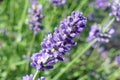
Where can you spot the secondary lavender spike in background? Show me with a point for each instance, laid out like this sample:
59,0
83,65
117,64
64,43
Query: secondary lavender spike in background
35,17
58,2
115,9
96,33
101,4
55,45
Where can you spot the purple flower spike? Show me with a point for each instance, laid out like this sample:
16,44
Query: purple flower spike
96,33
55,45
115,9
58,2
101,3
35,17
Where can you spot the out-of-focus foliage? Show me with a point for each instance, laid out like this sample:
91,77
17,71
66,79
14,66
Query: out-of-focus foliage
16,39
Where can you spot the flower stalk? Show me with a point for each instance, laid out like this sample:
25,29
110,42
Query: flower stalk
36,74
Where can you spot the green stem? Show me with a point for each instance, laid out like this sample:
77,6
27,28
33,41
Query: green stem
81,4
31,45
29,52
105,20
36,74
108,25
20,63
23,17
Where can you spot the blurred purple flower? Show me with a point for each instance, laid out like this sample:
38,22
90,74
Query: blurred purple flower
42,78
101,4
91,16
115,9
103,52
26,57
30,77
35,17
55,45
3,30
33,2
101,49
58,2
117,59
96,33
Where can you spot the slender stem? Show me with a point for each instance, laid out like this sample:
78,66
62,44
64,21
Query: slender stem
81,4
108,25
36,74
31,45
20,63
29,52
105,20
20,24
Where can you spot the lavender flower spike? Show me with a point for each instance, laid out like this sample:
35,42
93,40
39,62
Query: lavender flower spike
58,2
35,17
30,77
115,9
55,45
96,33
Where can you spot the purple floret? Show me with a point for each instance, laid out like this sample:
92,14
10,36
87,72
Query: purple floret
101,4
115,9
58,2
96,33
30,77
42,78
55,45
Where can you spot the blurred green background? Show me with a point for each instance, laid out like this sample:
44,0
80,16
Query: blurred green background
16,39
